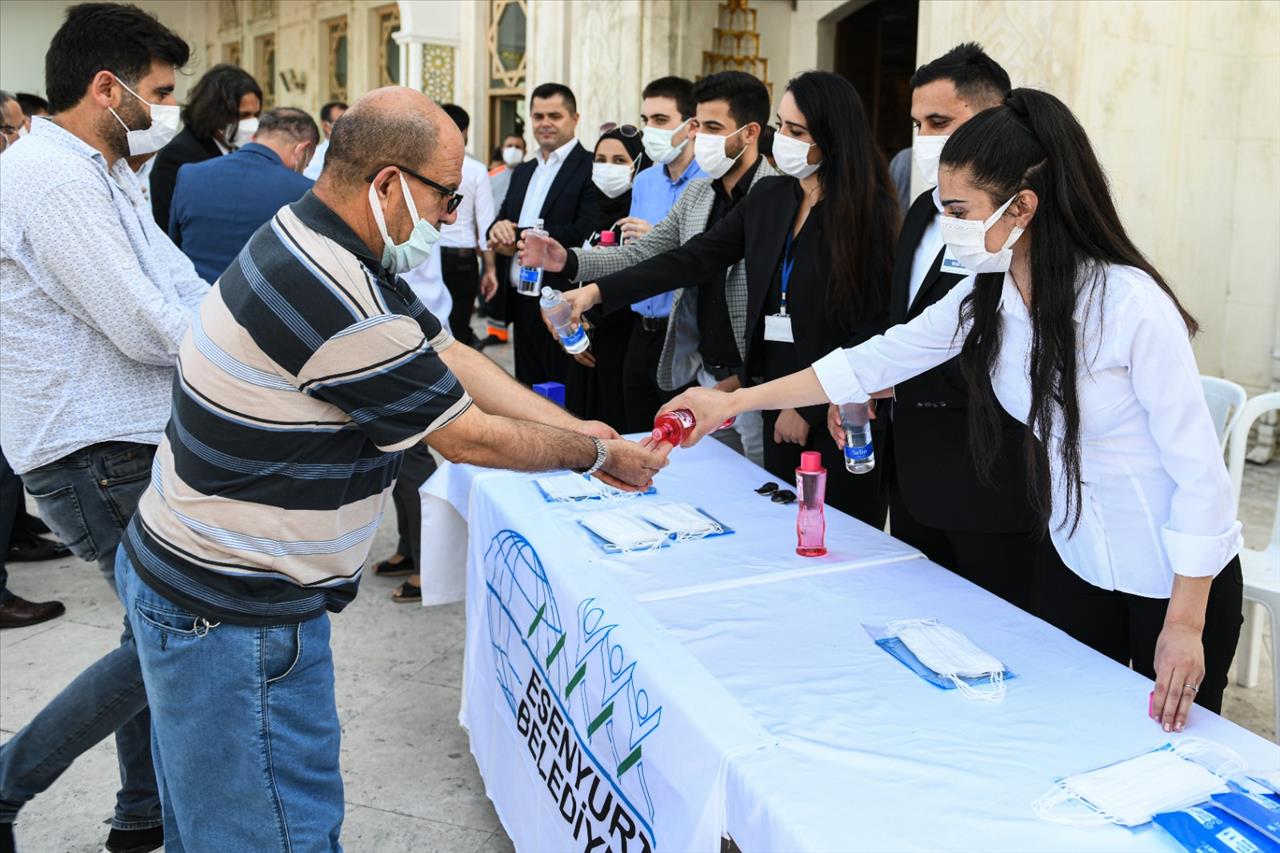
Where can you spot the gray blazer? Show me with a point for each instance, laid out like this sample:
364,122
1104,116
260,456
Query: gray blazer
688,218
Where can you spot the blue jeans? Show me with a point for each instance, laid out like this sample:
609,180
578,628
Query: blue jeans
245,730
87,498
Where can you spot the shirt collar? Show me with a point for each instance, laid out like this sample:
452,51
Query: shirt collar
320,218
691,171
46,128
743,184
559,155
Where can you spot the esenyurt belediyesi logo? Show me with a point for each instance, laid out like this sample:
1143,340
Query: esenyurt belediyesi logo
574,701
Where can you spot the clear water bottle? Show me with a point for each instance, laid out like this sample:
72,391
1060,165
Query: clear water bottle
531,277
859,455
558,314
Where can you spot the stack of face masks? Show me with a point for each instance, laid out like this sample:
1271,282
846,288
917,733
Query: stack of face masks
949,655
570,488
1131,792
621,531
681,520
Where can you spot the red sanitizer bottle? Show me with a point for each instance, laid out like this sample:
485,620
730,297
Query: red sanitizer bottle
674,426
811,491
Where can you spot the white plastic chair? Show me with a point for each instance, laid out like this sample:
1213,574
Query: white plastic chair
1261,568
1226,400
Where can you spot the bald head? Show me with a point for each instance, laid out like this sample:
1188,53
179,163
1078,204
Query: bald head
392,126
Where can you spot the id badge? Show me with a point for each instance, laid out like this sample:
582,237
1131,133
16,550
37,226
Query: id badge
950,266
777,327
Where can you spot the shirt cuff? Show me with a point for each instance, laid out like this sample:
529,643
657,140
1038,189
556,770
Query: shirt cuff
838,381
570,270
1195,555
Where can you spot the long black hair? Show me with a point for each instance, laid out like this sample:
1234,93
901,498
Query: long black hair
1033,142
860,213
214,102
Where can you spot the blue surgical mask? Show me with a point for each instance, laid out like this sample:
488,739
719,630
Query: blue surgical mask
399,258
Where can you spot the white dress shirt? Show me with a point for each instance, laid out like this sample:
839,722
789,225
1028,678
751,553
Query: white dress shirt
1156,497
317,162
475,214
536,193
925,257
94,303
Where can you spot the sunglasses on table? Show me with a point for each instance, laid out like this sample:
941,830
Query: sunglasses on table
455,197
776,494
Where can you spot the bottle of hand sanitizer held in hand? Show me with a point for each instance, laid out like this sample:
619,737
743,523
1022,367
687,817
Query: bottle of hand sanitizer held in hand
558,314
859,454
531,277
675,426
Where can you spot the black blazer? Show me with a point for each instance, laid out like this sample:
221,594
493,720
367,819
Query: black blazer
755,230
182,149
936,476
569,213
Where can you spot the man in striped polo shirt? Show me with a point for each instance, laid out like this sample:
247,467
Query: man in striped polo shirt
309,368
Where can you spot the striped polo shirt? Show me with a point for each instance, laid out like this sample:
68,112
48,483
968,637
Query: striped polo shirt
306,373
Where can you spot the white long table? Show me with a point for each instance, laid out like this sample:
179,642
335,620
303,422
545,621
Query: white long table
756,704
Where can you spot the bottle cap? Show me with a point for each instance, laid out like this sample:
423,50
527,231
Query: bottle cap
548,293
608,238
811,460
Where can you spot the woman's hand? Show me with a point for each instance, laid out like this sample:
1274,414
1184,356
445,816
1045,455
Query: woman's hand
791,428
710,408
1179,666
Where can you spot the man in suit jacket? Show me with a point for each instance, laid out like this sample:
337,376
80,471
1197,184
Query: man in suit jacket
938,503
218,204
555,187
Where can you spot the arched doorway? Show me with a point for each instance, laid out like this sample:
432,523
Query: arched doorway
875,50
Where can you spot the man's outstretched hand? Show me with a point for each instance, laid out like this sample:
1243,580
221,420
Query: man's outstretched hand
539,250
631,466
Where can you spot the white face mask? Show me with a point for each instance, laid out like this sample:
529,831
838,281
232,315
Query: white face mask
22,131
512,156
165,121
623,531
399,258
967,240
1131,792
951,654
681,519
612,179
657,143
927,151
792,156
241,133
709,153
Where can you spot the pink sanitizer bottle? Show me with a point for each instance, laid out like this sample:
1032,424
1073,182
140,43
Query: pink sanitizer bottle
811,491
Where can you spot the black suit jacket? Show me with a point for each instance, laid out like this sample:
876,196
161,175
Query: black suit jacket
184,148
936,476
569,213
754,230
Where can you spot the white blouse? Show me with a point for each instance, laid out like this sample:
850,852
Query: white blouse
1156,496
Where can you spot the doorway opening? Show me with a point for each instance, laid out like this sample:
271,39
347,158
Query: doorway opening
876,51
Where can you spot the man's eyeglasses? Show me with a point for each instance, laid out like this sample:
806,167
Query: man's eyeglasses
454,197
627,130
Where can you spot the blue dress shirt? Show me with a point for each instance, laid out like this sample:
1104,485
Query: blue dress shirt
652,196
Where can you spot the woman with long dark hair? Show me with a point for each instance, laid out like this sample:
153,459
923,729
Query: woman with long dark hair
1068,327
818,247
221,114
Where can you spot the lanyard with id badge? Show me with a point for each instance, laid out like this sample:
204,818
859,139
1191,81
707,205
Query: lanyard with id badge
777,327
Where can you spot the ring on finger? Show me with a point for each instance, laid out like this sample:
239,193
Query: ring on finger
1194,688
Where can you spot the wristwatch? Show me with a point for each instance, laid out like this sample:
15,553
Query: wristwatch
602,456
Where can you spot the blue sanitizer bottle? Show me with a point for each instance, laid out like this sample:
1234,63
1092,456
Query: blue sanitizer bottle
531,277
859,455
558,314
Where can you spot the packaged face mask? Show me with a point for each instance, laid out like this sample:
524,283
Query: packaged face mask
1131,792
681,520
569,487
1261,811
1208,829
621,530
951,655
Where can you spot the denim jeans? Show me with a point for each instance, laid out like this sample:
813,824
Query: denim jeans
87,498
245,730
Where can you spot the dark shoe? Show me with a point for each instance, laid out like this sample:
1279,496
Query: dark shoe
33,549
20,613
6,838
134,840
407,593
388,569
28,523
487,340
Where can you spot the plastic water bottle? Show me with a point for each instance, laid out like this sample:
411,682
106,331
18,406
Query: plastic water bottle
531,277
859,454
558,314
811,492
674,426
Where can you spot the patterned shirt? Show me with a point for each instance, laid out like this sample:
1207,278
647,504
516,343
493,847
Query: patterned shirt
307,372
94,301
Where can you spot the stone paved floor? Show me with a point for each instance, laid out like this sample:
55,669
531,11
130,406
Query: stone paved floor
411,783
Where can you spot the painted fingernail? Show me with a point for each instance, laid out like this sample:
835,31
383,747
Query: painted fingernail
1167,727
1178,727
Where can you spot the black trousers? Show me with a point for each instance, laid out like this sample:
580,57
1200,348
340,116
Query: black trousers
1125,627
1000,563
643,396
417,465
859,495
461,274
538,356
